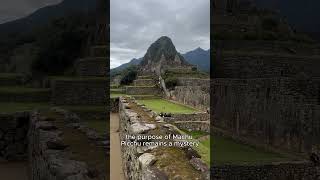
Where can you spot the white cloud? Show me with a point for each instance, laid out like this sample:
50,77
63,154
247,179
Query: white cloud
135,24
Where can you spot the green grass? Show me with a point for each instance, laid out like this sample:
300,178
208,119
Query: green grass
76,78
204,146
227,151
101,126
85,108
196,134
161,105
9,75
14,107
17,89
115,95
116,90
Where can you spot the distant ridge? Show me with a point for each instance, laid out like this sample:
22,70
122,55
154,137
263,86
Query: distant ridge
198,57
45,14
163,47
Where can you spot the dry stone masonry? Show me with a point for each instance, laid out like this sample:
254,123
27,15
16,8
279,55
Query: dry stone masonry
50,155
265,92
149,162
13,136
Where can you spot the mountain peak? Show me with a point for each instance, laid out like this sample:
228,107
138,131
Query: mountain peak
162,53
161,47
199,49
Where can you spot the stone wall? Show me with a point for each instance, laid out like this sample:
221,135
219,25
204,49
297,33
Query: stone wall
196,96
190,122
49,156
264,65
92,66
139,161
13,136
114,105
140,90
89,115
79,92
268,46
144,82
275,171
268,112
193,82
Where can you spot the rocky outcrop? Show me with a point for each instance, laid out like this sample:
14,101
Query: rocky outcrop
160,55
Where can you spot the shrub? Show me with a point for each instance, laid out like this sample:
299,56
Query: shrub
128,75
60,44
171,82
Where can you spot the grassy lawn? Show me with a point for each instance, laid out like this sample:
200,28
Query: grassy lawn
162,105
6,107
226,151
85,108
115,95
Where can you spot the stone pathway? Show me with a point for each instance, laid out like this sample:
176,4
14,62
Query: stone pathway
14,170
116,171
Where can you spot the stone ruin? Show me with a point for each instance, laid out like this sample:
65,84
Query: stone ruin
154,162
266,93
56,142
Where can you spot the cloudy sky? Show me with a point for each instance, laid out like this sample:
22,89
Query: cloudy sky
14,9
135,24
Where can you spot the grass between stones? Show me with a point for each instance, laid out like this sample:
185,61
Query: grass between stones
204,147
162,105
87,116
227,151
7,107
79,146
101,126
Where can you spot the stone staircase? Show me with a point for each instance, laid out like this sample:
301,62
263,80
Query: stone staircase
144,85
145,81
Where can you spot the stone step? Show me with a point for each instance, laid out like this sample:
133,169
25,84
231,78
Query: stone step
22,94
10,79
144,82
92,66
98,51
143,90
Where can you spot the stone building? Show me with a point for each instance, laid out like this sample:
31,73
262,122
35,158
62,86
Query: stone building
89,87
267,91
